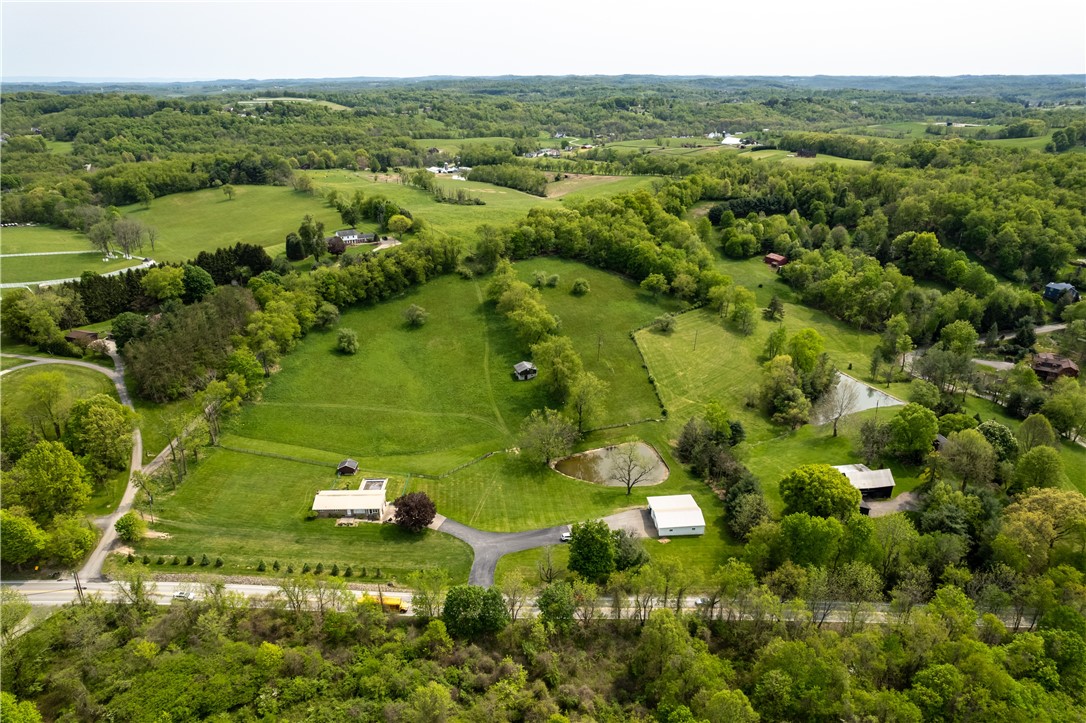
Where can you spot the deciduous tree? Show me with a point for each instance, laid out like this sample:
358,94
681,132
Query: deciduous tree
819,489
1036,431
560,366
48,480
546,435
414,511
585,399
592,550
630,466
23,539
471,611
969,457
912,431
1039,467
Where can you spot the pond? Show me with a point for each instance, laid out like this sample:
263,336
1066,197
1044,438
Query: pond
866,397
612,465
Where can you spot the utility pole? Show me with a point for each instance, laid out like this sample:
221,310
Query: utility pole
695,339
78,587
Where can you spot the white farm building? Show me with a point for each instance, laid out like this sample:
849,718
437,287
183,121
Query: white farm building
368,501
676,515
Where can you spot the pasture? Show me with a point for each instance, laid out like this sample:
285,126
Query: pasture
790,158
205,220
581,186
18,269
415,405
38,239
503,205
245,508
326,103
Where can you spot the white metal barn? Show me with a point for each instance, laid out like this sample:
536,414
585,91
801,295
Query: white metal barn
676,515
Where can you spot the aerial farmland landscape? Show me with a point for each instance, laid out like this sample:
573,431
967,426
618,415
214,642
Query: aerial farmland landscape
561,380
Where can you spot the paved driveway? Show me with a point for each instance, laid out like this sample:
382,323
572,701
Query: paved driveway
489,547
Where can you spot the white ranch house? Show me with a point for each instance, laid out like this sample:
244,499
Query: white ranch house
368,501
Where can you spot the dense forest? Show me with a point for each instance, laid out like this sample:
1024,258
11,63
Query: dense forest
222,659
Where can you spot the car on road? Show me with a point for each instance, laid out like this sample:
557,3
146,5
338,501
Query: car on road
565,537
186,595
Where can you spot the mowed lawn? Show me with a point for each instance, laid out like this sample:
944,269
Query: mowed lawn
205,220
414,405
599,324
411,400
37,239
66,266
80,384
246,508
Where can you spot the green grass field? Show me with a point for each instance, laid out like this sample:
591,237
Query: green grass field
788,157
81,383
36,239
314,101
10,362
584,187
188,223
45,268
416,402
503,205
59,147
246,508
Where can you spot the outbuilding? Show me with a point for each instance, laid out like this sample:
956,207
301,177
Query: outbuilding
347,466
81,336
874,484
1056,290
524,371
775,261
676,515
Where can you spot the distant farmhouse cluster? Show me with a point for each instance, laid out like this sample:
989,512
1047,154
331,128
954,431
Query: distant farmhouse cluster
449,169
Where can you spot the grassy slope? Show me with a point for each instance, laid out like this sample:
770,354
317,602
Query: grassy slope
503,205
790,158
35,239
245,508
188,223
44,268
424,401
10,362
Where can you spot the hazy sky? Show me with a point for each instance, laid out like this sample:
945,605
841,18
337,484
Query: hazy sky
210,40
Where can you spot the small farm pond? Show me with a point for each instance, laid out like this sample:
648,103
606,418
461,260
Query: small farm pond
614,464
866,397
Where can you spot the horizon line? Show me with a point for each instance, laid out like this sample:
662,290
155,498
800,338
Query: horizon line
165,80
